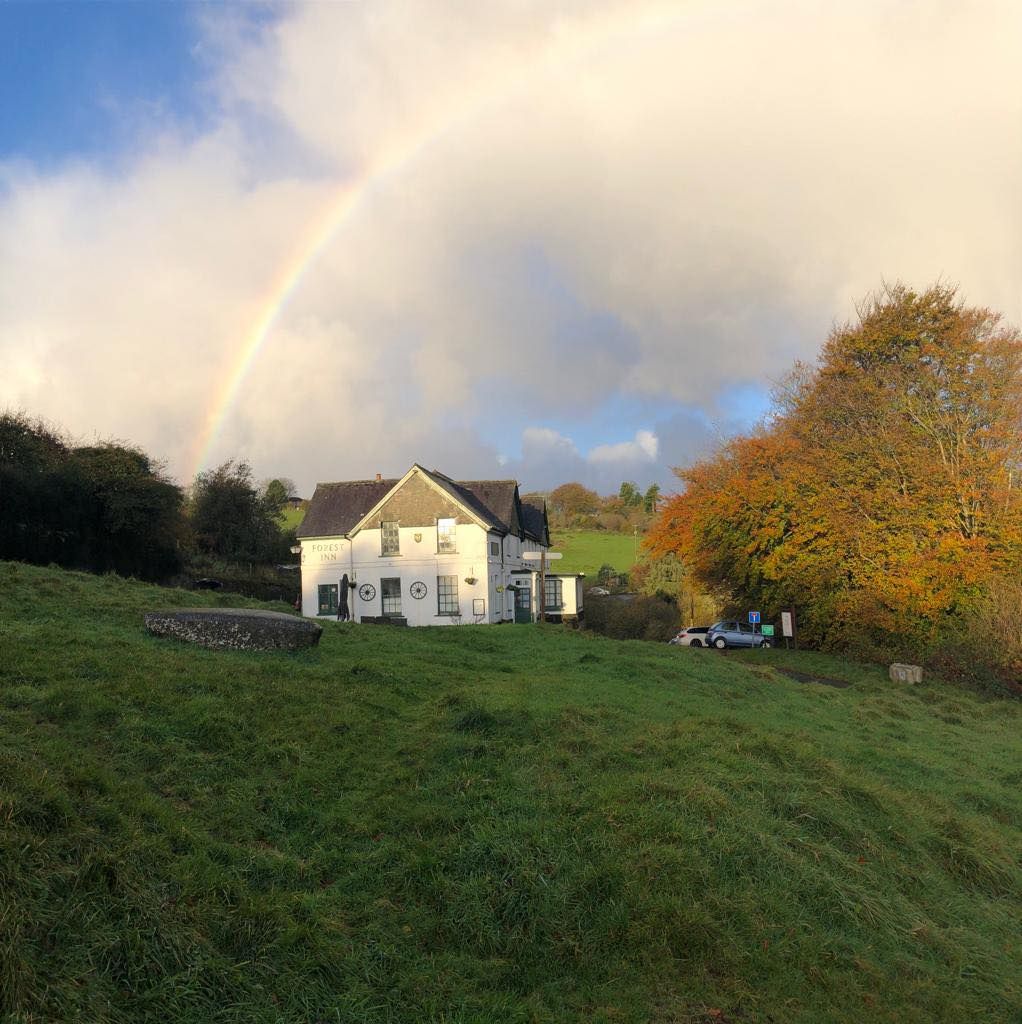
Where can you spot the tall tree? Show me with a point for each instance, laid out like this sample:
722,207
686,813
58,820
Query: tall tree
879,497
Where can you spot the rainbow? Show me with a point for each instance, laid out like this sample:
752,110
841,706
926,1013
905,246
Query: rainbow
566,45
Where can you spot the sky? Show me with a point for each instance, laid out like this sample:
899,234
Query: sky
554,241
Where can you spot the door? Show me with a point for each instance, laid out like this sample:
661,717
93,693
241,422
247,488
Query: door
523,603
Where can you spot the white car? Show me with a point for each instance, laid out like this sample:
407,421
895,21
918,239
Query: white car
694,636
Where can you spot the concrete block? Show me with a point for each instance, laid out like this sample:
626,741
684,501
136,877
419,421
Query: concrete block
906,673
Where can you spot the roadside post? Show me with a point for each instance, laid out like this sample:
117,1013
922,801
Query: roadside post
532,556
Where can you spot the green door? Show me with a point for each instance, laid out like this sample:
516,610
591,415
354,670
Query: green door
523,603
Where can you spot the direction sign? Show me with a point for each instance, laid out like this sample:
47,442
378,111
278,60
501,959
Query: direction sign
753,618
535,556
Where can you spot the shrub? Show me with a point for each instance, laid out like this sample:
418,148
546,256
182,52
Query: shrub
628,617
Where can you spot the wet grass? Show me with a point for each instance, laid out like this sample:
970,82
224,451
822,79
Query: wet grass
501,824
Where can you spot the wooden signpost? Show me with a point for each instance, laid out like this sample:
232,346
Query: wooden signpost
542,556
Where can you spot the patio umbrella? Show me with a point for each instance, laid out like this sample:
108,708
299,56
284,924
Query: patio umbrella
342,605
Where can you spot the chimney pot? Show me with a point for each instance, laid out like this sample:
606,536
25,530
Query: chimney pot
378,477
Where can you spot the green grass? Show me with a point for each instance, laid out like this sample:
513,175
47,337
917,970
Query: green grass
504,824
586,550
293,517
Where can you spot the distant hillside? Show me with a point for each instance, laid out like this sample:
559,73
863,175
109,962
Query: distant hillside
488,824
587,550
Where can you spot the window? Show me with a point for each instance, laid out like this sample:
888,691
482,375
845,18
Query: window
553,595
447,595
328,599
445,536
523,596
390,539
494,548
390,595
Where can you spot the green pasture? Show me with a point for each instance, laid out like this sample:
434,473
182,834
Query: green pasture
488,824
586,550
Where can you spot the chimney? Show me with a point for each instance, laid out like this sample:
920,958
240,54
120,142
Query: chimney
378,477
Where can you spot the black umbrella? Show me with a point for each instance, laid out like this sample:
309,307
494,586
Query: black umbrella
342,605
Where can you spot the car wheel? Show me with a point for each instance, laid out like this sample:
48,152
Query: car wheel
696,643
766,645
720,643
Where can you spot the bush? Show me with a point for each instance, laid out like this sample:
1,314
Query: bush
628,617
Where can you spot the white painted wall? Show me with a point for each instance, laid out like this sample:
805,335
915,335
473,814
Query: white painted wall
326,559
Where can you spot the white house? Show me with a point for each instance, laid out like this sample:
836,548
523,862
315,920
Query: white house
427,550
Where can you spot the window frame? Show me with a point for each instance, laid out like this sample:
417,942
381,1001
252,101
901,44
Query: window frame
330,587
558,588
450,532
385,597
384,549
448,602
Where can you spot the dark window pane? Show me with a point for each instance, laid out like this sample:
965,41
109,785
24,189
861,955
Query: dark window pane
327,598
390,595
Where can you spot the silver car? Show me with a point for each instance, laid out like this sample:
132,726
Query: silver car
694,636
736,634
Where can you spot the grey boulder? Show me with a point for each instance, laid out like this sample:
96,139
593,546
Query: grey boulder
239,629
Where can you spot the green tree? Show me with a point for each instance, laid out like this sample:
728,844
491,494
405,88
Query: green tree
232,520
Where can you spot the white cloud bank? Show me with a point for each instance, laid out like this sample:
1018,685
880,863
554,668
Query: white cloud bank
565,204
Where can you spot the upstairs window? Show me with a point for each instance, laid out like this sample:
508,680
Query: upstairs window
494,548
391,539
446,537
390,595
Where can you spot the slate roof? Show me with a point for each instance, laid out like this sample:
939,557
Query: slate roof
534,523
337,508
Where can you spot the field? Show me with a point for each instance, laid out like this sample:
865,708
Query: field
293,518
504,824
586,550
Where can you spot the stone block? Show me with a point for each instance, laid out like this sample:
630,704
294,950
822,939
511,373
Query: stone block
239,629
906,673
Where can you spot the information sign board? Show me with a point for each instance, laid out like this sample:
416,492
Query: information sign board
786,624
767,630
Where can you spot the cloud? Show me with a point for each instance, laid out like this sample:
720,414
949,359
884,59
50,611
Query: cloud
643,448
554,207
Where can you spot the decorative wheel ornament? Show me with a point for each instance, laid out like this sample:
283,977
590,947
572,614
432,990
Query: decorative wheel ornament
367,591
417,590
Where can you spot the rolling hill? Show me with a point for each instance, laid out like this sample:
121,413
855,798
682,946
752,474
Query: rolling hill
506,824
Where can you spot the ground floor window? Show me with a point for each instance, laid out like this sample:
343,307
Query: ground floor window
447,595
328,599
553,595
390,595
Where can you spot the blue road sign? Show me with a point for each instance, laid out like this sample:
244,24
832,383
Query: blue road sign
753,618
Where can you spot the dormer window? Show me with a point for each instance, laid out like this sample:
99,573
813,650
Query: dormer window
390,539
446,537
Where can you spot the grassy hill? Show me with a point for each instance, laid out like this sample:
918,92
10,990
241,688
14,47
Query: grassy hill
586,550
506,824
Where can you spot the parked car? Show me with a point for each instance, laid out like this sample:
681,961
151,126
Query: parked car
694,636
736,634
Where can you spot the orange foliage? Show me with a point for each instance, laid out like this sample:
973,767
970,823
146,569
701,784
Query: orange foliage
885,494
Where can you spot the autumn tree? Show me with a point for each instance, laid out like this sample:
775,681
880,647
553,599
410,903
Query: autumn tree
880,499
